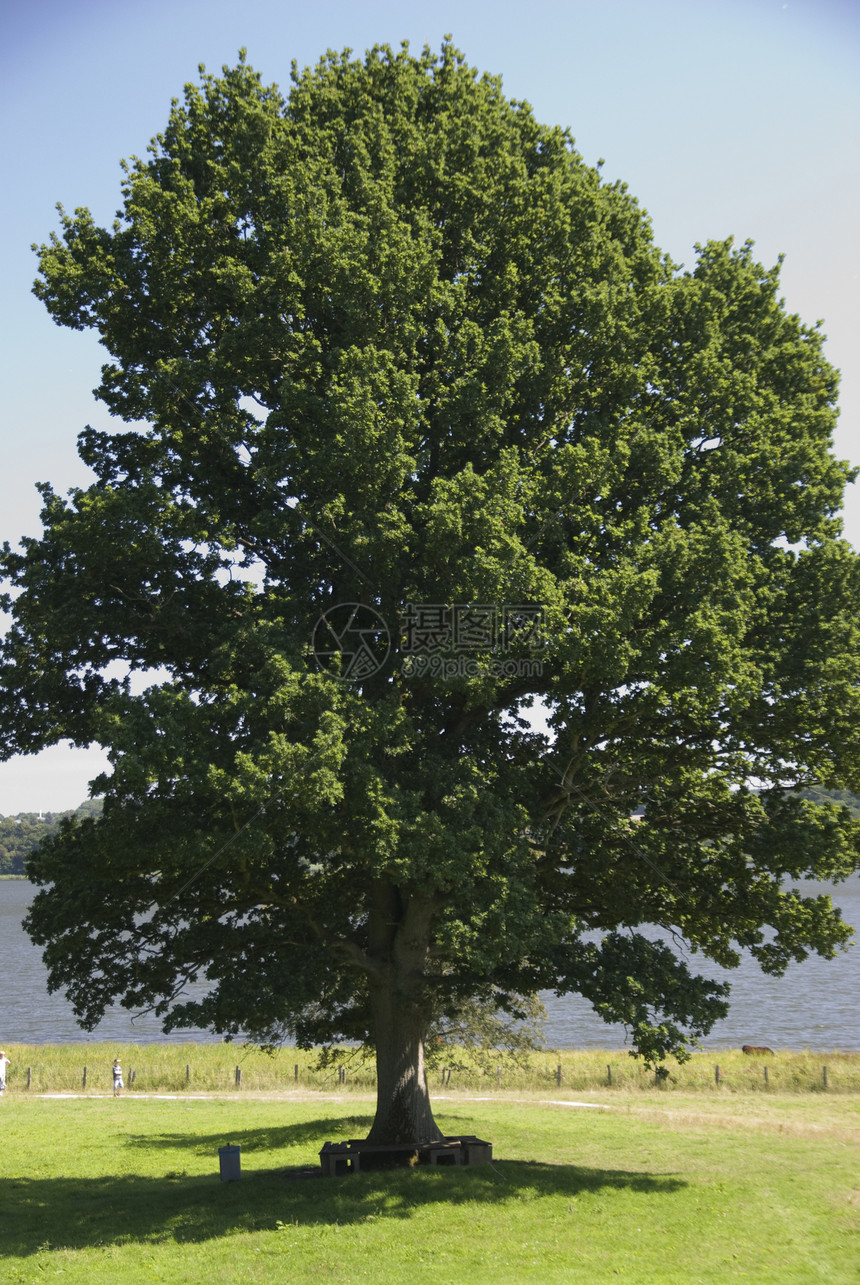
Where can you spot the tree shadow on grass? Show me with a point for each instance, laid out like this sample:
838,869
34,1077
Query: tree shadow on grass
305,1136
80,1213
308,1135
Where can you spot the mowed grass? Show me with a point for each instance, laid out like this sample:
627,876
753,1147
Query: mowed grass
659,1187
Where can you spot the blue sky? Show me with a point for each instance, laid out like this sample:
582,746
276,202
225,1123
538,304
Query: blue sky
724,118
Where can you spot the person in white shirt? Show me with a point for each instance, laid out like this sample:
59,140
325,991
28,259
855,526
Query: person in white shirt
117,1077
4,1062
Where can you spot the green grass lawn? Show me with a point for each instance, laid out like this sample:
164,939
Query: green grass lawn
662,1187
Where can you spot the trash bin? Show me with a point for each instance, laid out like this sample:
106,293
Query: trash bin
230,1161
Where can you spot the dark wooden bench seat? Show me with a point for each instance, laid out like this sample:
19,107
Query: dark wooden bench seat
338,1158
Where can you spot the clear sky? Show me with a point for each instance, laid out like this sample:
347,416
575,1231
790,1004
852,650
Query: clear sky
724,118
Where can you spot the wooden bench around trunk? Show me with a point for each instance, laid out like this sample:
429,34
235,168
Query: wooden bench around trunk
338,1158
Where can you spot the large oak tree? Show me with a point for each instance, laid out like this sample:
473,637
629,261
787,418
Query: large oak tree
387,349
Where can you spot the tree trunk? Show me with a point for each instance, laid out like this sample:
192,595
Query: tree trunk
403,1111
399,940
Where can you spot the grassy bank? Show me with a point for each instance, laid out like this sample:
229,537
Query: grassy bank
671,1188
211,1068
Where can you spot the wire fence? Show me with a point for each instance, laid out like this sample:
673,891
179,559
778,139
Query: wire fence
219,1068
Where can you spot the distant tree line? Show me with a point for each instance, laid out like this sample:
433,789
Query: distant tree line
21,834
844,797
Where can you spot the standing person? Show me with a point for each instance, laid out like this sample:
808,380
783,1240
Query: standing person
4,1062
117,1077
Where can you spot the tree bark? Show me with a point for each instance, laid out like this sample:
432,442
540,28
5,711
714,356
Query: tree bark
400,936
403,1110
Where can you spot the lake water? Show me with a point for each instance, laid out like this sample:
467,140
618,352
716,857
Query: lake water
814,1006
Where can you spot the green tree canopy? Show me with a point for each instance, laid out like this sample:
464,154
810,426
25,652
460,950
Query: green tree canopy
387,349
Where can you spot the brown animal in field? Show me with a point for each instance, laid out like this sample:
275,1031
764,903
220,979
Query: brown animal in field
756,1049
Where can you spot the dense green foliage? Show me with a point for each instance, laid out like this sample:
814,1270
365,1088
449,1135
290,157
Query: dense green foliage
388,346
21,834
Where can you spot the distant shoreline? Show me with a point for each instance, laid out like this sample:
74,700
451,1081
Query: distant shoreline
238,1045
